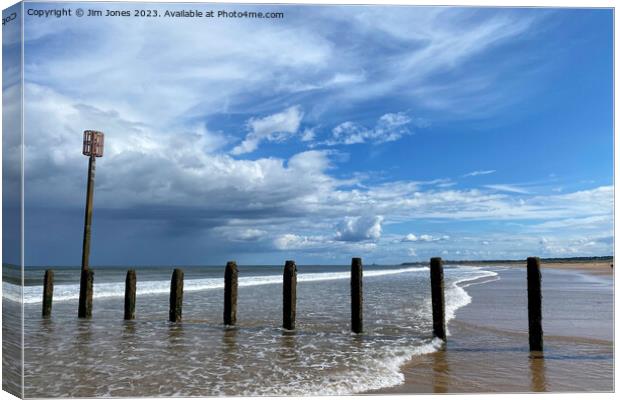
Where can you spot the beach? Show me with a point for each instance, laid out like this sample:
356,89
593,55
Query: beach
487,350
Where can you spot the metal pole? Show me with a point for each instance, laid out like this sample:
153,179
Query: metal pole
86,295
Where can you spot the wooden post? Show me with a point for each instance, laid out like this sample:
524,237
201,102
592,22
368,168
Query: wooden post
231,276
88,216
130,295
85,308
289,295
48,292
534,304
176,296
357,298
439,305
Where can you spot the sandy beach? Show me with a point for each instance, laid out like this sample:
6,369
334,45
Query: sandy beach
487,350
596,268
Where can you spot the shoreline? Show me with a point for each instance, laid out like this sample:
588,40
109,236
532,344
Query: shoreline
590,267
469,364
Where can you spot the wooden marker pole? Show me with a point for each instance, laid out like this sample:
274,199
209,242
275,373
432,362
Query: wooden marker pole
85,302
289,295
130,295
93,148
176,296
357,298
534,304
439,305
48,293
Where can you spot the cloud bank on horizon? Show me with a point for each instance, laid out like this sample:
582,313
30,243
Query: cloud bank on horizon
390,133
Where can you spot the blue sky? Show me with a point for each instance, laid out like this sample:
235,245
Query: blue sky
390,133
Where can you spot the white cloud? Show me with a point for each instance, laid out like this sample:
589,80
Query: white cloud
443,40
479,172
575,246
410,238
355,229
274,128
389,127
291,241
308,135
145,167
195,77
424,238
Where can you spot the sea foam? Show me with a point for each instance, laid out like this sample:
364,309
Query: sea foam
64,292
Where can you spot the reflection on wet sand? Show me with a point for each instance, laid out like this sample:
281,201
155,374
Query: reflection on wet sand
441,371
537,372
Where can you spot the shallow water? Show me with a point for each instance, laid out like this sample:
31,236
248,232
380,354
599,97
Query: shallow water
488,349
106,356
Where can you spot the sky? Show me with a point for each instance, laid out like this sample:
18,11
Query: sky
394,134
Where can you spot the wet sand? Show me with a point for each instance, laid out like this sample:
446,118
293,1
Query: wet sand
487,350
595,268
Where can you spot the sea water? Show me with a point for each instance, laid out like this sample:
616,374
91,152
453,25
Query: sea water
106,356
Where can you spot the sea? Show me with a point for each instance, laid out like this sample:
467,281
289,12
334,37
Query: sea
106,356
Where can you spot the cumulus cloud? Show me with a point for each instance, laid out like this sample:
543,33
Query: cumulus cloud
355,229
147,170
274,128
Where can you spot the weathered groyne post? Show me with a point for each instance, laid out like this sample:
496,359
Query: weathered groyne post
176,296
439,305
85,308
289,292
357,298
48,293
534,304
231,276
93,148
130,295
